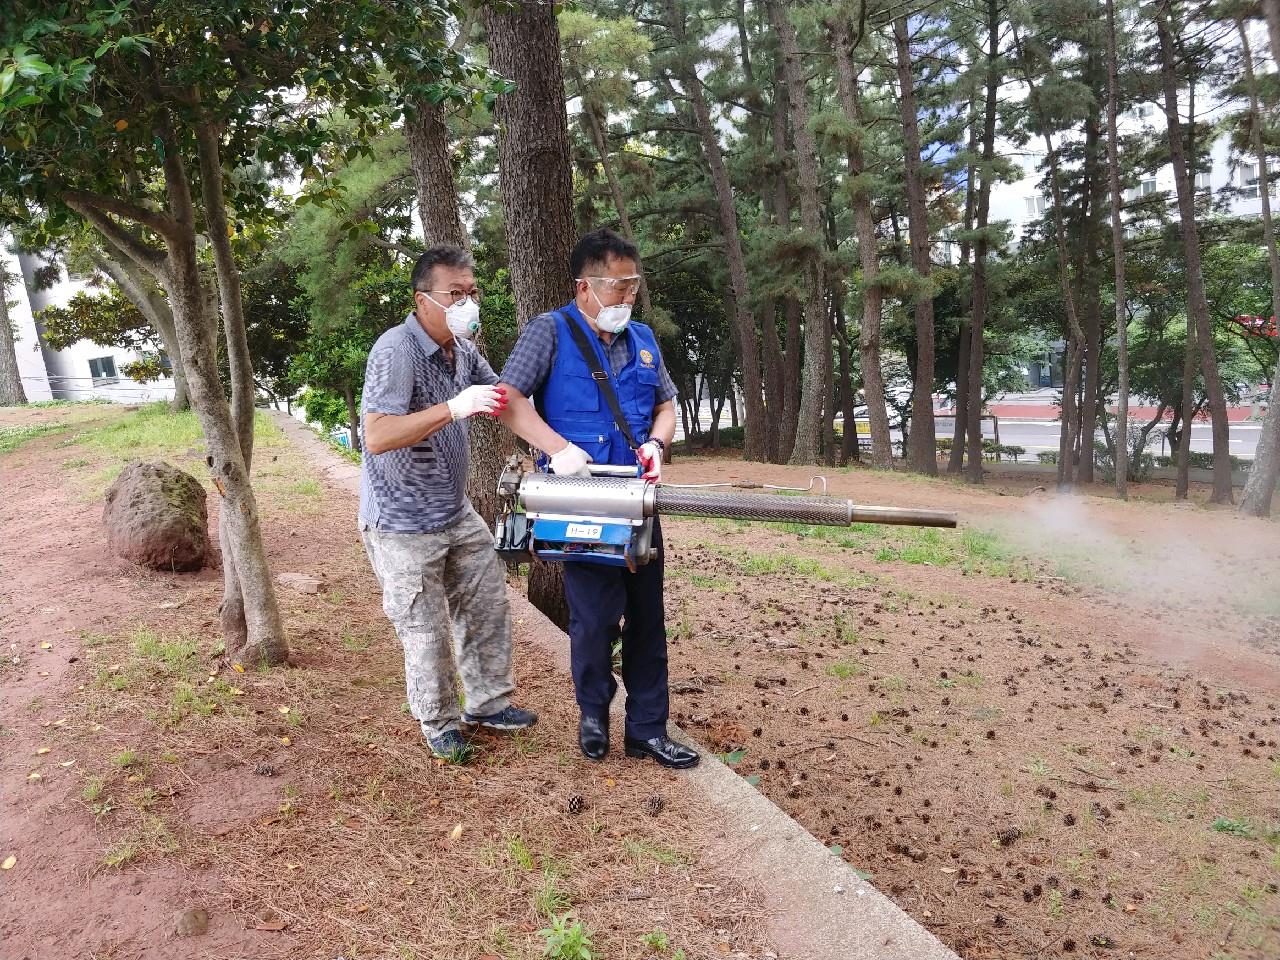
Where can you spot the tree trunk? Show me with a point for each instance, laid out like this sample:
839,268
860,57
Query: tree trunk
1197,305
977,326
817,344
1091,285
1182,462
775,386
152,305
848,395
537,191
1117,252
1261,485
924,454
428,140
256,604
754,446
353,416
12,393
868,256
960,421
791,311
596,125
1075,335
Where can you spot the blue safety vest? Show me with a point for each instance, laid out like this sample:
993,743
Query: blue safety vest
570,400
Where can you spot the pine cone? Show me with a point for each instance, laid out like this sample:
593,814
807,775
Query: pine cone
576,803
655,805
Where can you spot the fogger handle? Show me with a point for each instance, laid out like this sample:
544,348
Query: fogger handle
827,511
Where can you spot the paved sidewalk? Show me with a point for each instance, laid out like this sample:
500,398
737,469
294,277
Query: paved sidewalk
824,910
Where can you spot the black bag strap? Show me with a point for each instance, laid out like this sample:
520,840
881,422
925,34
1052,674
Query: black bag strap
601,378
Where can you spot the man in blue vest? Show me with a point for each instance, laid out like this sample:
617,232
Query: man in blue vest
574,424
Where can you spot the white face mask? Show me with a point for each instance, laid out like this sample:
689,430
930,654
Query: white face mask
462,318
612,319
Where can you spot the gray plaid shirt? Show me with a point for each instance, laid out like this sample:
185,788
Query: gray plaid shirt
422,488
530,361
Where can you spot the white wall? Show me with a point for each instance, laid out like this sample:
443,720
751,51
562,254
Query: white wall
27,346
69,376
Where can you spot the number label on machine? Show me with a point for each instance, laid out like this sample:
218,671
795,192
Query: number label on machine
583,531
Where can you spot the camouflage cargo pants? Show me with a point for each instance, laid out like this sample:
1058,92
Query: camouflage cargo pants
438,586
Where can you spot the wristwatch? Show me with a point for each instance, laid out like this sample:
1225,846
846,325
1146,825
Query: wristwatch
661,446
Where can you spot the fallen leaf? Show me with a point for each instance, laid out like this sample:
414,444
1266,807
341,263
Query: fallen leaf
122,125
362,908
273,925
291,867
33,776
238,668
408,881
67,763
286,741
610,782
456,832
59,723
42,751
42,673
284,710
46,645
435,801
9,861
723,948
96,727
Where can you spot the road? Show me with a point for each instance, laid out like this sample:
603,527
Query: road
1040,435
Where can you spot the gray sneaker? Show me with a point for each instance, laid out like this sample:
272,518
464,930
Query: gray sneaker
508,718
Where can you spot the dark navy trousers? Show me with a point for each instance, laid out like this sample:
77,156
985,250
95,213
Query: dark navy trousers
600,598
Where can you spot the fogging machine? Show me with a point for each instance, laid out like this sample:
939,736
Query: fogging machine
607,518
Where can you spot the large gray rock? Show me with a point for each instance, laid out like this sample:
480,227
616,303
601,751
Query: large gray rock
156,516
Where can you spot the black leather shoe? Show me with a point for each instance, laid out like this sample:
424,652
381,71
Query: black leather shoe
665,750
593,737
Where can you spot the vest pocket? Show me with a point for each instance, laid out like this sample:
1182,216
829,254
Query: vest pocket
580,392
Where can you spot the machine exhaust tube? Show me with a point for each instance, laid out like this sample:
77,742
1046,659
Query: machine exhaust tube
826,511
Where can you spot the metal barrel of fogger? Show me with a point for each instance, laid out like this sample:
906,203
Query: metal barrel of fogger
828,511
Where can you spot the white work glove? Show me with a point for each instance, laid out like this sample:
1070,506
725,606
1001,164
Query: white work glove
570,462
480,398
649,456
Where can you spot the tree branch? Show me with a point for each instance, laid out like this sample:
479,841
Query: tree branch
154,219
129,245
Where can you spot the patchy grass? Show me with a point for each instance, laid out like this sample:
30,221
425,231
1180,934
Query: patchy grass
974,551
13,437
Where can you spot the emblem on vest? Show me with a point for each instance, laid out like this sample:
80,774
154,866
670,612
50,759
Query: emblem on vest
646,358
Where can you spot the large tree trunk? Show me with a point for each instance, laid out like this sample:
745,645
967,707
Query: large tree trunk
1117,251
428,139
151,304
754,445
11,392
977,326
924,454
427,136
537,191
253,607
1197,305
864,225
817,344
1182,484
1261,485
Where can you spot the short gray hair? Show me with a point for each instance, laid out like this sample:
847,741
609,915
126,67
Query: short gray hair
444,255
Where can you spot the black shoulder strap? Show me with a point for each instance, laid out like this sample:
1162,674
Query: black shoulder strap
600,377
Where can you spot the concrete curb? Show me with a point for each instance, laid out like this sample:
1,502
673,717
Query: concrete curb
824,910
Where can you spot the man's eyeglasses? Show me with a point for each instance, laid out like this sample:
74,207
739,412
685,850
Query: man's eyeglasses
623,285
457,296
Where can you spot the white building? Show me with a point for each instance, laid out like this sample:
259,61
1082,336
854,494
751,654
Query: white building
84,370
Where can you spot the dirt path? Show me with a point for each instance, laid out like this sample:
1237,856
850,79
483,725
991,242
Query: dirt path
142,776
